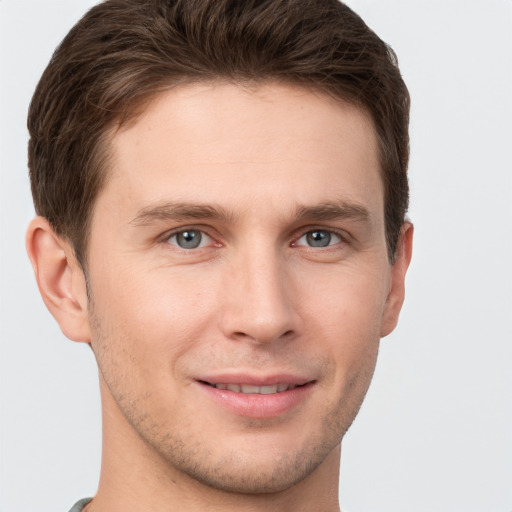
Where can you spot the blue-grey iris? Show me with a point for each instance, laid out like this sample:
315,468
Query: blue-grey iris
318,238
189,239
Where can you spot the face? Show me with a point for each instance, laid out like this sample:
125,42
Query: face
239,281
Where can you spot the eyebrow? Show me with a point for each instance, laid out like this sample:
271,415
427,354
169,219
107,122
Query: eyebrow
338,210
176,211
179,211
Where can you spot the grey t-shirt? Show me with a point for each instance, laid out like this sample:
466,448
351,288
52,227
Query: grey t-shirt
79,505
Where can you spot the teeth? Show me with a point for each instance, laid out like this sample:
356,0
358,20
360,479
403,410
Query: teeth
248,389
255,390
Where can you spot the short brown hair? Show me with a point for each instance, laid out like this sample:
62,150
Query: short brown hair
124,52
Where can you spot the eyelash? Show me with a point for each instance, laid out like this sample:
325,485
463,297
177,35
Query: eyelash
330,232
342,238
168,236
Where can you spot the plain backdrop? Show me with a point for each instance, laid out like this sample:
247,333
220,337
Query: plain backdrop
435,432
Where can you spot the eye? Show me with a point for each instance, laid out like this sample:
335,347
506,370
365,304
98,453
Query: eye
189,239
319,238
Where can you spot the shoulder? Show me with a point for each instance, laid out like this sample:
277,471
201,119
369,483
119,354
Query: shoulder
79,505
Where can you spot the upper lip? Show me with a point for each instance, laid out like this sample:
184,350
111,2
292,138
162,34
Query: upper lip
255,380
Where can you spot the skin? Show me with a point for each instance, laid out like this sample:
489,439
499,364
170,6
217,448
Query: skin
258,174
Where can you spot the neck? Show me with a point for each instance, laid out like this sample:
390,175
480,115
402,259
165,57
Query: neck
134,477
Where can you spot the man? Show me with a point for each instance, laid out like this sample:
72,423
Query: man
221,193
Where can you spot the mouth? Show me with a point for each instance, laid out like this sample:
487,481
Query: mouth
250,389
255,397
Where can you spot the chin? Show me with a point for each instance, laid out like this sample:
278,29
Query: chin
255,468
250,477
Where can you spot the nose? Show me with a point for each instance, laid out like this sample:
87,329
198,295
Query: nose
257,302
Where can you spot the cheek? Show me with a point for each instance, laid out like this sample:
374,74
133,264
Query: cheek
347,310
349,301
156,315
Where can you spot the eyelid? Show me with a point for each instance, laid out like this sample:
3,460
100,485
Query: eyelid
202,229
344,237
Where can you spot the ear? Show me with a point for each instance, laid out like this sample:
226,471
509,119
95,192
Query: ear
60,279
396,294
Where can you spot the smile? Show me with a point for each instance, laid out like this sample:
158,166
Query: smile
250,389
257,397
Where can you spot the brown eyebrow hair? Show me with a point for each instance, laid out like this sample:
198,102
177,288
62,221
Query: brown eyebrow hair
333,211
182,211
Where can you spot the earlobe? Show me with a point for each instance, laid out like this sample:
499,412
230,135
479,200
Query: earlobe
60,279
396,294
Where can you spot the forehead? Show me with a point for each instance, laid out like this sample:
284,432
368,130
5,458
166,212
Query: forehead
268,143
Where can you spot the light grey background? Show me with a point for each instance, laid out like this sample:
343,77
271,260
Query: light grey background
435,433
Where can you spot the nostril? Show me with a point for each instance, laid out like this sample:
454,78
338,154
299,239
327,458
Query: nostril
263,337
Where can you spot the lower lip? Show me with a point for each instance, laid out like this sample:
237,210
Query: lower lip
258,406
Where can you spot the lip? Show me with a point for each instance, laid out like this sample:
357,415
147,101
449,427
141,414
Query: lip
254,380
257,405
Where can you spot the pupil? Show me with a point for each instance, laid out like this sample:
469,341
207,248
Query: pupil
318,238
188,239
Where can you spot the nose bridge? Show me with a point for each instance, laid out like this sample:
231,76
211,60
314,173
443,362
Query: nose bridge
258,305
